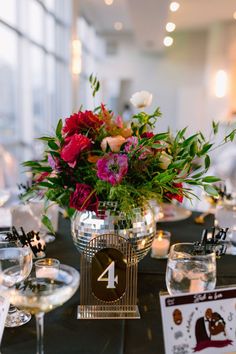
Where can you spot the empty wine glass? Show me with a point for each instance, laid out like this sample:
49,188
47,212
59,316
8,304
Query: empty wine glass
39,295
15,266
189,273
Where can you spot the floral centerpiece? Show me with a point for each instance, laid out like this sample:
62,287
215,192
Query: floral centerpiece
94,156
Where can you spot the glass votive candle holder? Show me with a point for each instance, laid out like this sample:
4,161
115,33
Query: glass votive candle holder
47,267
161,244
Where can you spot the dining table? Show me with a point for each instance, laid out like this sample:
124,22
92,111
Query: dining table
65,334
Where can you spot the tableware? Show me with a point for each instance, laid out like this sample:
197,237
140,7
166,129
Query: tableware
161,244
177,213
16,265
39,295
225,216
189,273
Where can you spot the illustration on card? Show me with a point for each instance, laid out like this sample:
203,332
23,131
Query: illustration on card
210,331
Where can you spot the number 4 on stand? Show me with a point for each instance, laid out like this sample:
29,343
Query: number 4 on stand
108,287
112,279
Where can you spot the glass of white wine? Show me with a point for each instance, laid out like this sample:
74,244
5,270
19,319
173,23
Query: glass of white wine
15,266
189,273
41,294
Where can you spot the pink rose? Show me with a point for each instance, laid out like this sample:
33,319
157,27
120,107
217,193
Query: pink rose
84,198
74,146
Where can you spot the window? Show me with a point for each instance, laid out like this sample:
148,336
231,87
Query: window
35,76
8,83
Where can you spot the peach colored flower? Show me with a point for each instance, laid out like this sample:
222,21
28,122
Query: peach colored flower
126,132
114,142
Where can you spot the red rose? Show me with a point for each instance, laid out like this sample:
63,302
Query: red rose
178,196
147,135
81,121
73,147
84,198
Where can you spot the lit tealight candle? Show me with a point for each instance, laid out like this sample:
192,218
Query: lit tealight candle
47,272
161,244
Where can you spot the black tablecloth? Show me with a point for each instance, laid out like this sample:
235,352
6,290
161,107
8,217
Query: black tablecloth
64,334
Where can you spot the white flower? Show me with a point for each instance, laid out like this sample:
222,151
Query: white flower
141,99
165,160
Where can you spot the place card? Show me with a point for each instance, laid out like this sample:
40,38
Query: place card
202,322
4,306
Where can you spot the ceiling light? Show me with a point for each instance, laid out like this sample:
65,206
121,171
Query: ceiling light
168,41
174,6
221,83
108,2
170,27
76,56
234,15
118,26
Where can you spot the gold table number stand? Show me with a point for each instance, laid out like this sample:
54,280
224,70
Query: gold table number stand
108,287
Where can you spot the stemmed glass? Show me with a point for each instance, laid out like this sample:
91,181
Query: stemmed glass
189,273
16,265
39,295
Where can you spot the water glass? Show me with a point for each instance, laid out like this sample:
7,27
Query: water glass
189,273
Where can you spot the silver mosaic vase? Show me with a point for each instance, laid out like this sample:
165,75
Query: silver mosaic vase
138,228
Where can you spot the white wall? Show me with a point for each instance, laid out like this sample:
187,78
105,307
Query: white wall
181,78
167,75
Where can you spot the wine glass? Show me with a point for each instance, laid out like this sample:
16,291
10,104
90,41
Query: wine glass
189,273
39,295
16,265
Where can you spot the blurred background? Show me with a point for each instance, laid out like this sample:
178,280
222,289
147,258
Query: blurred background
183,52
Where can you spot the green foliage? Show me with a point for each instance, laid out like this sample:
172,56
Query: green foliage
95,84
47,222
160,167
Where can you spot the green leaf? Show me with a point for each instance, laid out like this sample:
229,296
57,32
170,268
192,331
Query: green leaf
193,149
157,146
205,149
207,161
161,136
45,184
180,135
53,145
47,222
46,138
31,164
59,128
211,179
189,140
177,164
211,190
215,127
232,135
42,169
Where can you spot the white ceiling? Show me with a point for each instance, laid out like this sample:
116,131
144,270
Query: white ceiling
146,19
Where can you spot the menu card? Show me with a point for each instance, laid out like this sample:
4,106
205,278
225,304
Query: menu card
203,322
4,306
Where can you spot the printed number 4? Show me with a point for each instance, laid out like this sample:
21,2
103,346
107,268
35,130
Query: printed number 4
111,279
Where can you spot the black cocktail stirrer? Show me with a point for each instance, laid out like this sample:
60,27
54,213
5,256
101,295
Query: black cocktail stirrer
213,242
